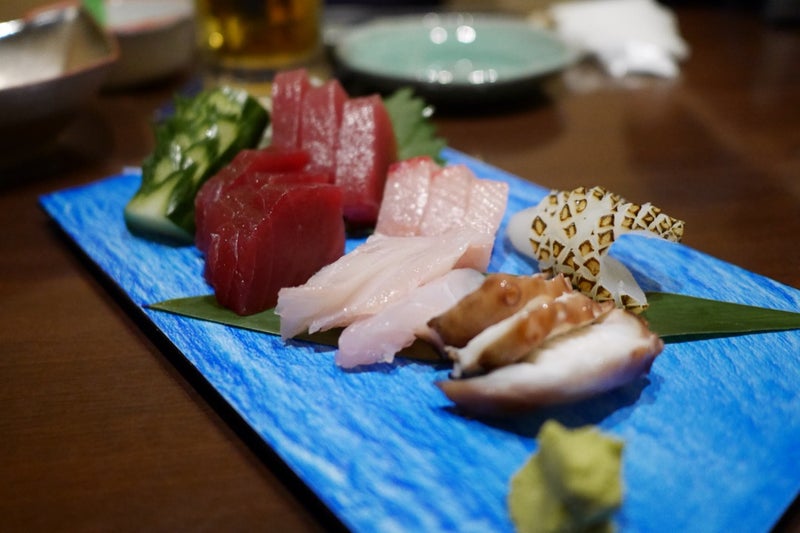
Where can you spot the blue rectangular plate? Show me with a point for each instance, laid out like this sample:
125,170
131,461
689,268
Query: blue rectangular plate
712,433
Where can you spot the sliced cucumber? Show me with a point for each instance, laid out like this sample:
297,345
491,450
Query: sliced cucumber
203,135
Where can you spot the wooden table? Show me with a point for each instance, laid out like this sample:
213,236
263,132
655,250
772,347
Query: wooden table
103,429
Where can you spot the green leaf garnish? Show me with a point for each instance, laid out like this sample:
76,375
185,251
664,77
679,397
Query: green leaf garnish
674,317
415,133
207,308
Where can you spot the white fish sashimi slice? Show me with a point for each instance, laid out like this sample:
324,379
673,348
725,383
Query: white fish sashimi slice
376,273
597,358
448,200
487,205
376,339
405,196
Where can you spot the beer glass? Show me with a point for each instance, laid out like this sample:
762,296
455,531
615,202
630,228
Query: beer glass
252,39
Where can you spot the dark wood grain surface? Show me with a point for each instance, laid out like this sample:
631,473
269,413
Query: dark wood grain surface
103,429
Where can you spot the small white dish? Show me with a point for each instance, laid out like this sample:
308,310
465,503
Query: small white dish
452,56
52,62
156,39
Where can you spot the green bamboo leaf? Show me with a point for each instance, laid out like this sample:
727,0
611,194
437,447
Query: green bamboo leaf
207,308
677,318
674,317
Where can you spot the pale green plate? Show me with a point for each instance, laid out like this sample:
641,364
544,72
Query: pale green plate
455,56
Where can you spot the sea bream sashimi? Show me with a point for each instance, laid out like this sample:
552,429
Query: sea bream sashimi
376,339
375,274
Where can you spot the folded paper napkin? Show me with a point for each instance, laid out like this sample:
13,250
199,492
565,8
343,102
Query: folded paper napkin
626,36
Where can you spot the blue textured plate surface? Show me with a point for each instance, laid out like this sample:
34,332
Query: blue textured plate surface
712,433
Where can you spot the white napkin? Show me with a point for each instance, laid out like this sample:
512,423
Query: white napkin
626,36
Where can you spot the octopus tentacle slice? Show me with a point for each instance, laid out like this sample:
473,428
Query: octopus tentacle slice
586,361
513,338
499,297
571,232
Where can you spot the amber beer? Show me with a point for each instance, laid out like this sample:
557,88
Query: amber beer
258,36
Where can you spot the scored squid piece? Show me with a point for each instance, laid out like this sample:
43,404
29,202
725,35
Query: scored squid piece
511,339
571,232
596,358
500,296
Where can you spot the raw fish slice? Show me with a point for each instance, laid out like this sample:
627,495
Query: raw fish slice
259,241
260,179
487,205
310,214
367,147
511,339
376,273
289,89
233,273
376,339
263,294
594,359
320,122
422,198
220,260
405,196
498,297
246,163
448,200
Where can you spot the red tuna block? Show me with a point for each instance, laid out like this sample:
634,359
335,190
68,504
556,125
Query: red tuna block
269,237
246,162
289,89
322,115
367,147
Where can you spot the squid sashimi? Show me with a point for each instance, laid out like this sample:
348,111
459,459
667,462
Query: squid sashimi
571,232
590,360
378,338
376,273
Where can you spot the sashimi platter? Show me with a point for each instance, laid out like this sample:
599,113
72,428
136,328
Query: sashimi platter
433,344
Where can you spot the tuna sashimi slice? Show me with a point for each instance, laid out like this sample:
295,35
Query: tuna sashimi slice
262,239
376,273
378,338
245,163
367,147
320,121
289,89
405,196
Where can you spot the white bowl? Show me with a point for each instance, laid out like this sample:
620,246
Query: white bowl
156,39
52,63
